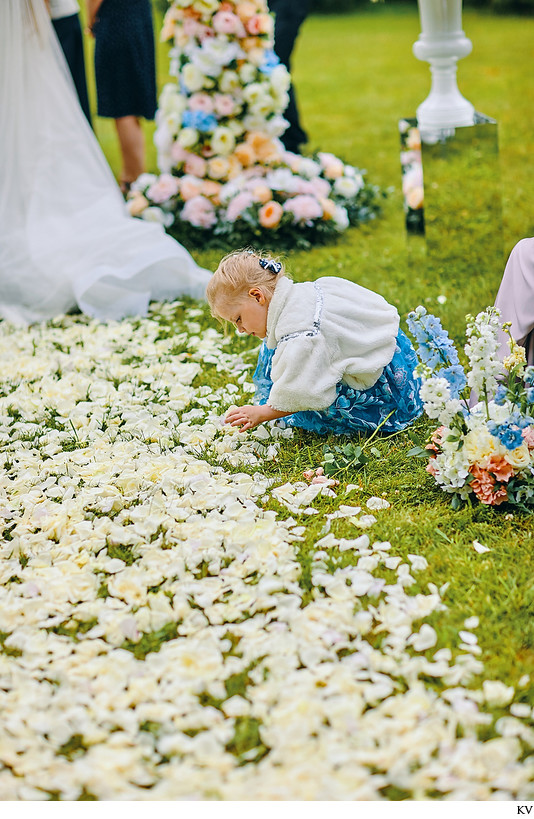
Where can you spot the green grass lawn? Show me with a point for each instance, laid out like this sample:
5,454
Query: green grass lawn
356,76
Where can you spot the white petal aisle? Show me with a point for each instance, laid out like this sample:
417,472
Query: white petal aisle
159,637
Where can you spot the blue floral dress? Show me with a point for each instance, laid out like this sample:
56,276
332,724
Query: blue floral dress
393,401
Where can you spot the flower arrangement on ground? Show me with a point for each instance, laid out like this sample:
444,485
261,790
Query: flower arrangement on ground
412,175
224,171
484,450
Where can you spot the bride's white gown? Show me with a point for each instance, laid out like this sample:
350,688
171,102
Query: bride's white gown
65,237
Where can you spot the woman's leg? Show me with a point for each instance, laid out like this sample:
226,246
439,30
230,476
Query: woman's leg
132,143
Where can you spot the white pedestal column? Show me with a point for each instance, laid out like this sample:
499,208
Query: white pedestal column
442,43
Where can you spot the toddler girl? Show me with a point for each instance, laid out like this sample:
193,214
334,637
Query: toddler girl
333,358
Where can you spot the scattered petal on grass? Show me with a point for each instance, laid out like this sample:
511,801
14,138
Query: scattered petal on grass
497,693
479,547
375,503
472,622
364,522
441,299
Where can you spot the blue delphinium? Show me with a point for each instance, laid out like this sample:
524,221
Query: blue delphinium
529,392
510,432
529,376
435,348
500,395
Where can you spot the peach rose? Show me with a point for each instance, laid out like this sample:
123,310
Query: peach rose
169,24
218,167
136,204
246,10
270,214
211,190
329,208
245,153
235,167
413,140
415,198
262,193
189,187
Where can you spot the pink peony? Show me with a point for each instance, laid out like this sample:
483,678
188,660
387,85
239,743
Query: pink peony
162,190
201,102
195,165
238,204
304,209
199,212
224,22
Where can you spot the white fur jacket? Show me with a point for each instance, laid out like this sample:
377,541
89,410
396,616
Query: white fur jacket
324,332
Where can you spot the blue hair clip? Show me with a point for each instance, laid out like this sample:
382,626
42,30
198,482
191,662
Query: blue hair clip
271,266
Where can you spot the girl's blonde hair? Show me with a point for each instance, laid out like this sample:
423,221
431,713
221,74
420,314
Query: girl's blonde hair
236,274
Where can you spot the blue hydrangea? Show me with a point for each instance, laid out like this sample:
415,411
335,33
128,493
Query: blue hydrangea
530,395
270,61
529,376
200,120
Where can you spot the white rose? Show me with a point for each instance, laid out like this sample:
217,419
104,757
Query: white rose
248,72
346,187
223,141
188,137
518,457
229,83
192,77
280,80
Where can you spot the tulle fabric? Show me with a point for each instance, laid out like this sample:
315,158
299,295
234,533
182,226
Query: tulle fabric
65,238
395,394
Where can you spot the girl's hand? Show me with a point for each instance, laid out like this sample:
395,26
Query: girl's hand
246,417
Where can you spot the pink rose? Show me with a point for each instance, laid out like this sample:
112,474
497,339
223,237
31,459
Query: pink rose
224,105
201,102
199,212
528,436
260,24
321,187
304,208
195,165
178,153
162,190
224,22
238,204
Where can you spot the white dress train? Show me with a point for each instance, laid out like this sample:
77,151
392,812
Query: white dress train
66,239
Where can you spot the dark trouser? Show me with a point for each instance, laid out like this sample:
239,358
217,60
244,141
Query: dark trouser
289,16
69,34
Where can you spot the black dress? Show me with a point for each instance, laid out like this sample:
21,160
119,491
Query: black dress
125,66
